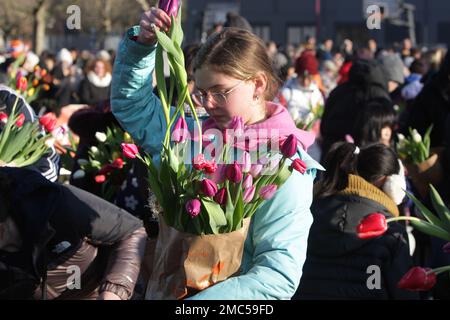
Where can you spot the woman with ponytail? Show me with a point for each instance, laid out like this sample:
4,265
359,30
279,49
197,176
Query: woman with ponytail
339,264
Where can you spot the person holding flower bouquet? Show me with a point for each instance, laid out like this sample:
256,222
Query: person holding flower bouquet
234,80
340,260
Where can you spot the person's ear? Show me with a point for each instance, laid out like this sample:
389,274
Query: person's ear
380,182
260,81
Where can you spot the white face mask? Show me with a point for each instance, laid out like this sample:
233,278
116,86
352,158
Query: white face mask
395,185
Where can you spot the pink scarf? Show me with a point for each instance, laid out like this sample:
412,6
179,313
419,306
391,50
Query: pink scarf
279,122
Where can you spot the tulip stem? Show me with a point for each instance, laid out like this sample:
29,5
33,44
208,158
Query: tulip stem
439,270
403,218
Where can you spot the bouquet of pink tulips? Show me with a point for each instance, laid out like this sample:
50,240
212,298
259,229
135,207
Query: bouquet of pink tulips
207,195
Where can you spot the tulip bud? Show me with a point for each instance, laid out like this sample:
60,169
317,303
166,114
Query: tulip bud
208,188
100,136
169,6
48,121
78,174
180,131
107,168
234,173
210,167
246,162
237,126
49,143
418,279
129,150
20,120
3,117
299,165
401,137
268,191
22,83
117,164
100,178
255,170
446,247
199,162
221,196
248,182
289,146
94,150
249,194
373,225
35,82
193,207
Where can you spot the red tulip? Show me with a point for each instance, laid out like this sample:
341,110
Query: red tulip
234,173
199,162
418,279
100,178
169,6
299,165
180,131
372,226
193,207
268,191
21,83
3,117
289,146
48,121
210,167
20,120
129,150
221,196
117,164
208,188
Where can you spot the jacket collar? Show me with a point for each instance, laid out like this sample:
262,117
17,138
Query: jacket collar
359,187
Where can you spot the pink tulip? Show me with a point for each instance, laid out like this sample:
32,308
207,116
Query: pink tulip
248,182
255,170
169,6
237,126
221,196
234,173
193,207
129,150
246,162
289,146
180,131
249,194
208,188
268,191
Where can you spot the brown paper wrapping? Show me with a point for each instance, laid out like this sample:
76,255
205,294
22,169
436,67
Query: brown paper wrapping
184,264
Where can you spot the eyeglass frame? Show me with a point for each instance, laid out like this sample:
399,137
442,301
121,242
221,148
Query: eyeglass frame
224,94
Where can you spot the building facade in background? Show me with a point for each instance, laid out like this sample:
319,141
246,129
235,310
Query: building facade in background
287,21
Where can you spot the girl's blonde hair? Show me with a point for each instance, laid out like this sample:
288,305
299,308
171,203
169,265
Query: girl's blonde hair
239,54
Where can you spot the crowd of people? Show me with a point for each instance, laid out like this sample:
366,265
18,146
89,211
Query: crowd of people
345,103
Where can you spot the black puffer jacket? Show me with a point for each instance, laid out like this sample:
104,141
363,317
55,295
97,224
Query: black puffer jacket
432,106
367,81
337,260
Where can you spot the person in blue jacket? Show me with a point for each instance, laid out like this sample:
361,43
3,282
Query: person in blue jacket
233,77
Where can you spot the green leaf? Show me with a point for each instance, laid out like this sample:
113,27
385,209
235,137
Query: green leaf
431,229
238,212
168,45
440,207
425,212
229,208
216,215
283,175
